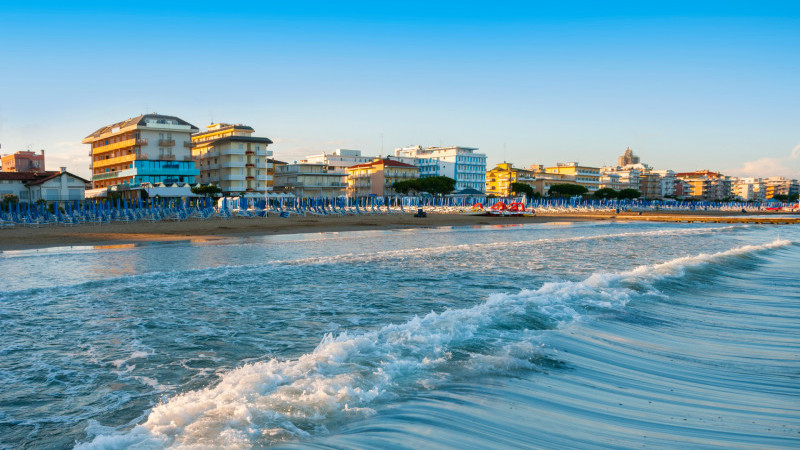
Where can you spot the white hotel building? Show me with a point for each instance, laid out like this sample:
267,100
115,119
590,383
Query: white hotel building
462,164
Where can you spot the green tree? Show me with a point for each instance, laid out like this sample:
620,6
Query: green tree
625,194
567,190
524,189
605,193
437,185
207,191
404,187
432,185
785,198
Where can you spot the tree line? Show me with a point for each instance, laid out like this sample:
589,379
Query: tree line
431,185
571,190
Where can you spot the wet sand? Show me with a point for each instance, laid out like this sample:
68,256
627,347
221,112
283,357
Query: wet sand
21,238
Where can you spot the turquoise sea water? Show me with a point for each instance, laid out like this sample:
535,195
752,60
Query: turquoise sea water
556,336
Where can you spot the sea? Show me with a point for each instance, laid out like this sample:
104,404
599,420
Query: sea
558,335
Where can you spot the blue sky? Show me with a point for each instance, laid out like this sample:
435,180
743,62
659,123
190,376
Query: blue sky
689,85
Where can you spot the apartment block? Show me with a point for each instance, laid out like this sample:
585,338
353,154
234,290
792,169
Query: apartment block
378,177
588,177
229,157
500,179
706,185
24,161
780,185
749,189
309,180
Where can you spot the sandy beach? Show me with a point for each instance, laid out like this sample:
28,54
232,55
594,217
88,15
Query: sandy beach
21,238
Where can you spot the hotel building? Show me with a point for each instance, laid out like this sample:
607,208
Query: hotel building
229,157
462,164
150,148
378,177
588,177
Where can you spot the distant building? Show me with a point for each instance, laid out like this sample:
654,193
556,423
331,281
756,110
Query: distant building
24,161
628,177
378,177
500,179
151,148
780,185
666,183
749,189
706,185
588,177
339,159
462,164
309,180
627,158
611,180
48,186
229,157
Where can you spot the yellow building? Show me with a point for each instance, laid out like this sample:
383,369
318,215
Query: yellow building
499,179
377,177
588,177
233,160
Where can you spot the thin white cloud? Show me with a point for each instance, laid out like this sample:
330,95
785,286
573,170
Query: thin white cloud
787,166
72,155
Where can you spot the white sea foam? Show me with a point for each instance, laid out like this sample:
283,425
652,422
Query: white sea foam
441,250
347,376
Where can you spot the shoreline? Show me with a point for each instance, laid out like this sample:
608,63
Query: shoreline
217,229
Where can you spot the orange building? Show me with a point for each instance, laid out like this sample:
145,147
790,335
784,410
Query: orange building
23,162
377,177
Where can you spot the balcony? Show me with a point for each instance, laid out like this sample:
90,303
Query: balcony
187,144
166,158
166,142
113,161
118,145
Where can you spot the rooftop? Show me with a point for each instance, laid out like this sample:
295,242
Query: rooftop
384,162
135,122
